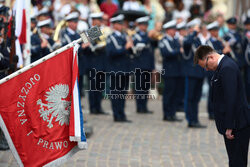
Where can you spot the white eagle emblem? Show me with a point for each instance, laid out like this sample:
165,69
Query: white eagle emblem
57,106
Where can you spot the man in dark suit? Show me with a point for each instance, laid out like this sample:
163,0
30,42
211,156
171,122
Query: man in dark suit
215,43
232,116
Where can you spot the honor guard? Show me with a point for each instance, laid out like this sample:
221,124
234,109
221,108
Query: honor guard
233,38
95,55
43,14
68,35
194,75
118,50
143,62
33,25
170,51
4,67
246,55
217,45
180,35
41,43
4,61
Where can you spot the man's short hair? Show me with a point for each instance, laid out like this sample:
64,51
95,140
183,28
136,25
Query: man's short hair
202,52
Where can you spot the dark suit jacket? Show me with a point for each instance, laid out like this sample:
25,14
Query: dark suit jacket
228,95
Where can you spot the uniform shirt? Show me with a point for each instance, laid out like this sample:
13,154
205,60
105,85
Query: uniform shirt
170,51
95,55
144,57
190,44
67,36
37,51
215,44
4,61
246,49
234,39
117,55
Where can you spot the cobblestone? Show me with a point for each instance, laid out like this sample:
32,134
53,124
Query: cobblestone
147,142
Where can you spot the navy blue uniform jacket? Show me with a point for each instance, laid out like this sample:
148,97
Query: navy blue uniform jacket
37,51
170,51
228,96
144,59
118,56
190,44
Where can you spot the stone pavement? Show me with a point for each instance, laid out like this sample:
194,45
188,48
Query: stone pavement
147,142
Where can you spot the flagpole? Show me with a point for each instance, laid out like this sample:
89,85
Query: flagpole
84,38
27,47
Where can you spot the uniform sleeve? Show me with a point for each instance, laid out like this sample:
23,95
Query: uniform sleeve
35,46
113,49
244,50
189,40
87,51
167,51
4,60
229,79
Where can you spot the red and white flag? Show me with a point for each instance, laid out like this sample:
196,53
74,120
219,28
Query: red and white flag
40,112
20,31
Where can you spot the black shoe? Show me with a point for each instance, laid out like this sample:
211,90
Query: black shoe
140,111
196,125
126,121
211,117
93,111
122,120
148,111
144,112
117,119
102,112
4,147
167,118
172,119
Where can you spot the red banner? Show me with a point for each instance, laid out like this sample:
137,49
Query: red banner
35,108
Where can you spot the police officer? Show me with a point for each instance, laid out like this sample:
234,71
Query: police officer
4,67
180,35
142,63
118,51
43,14
68,35
41,43
217,45
96,57
194,75
233,38
4,63
33,24
170,51
246,55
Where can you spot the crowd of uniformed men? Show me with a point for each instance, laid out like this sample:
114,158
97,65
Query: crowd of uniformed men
123,50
